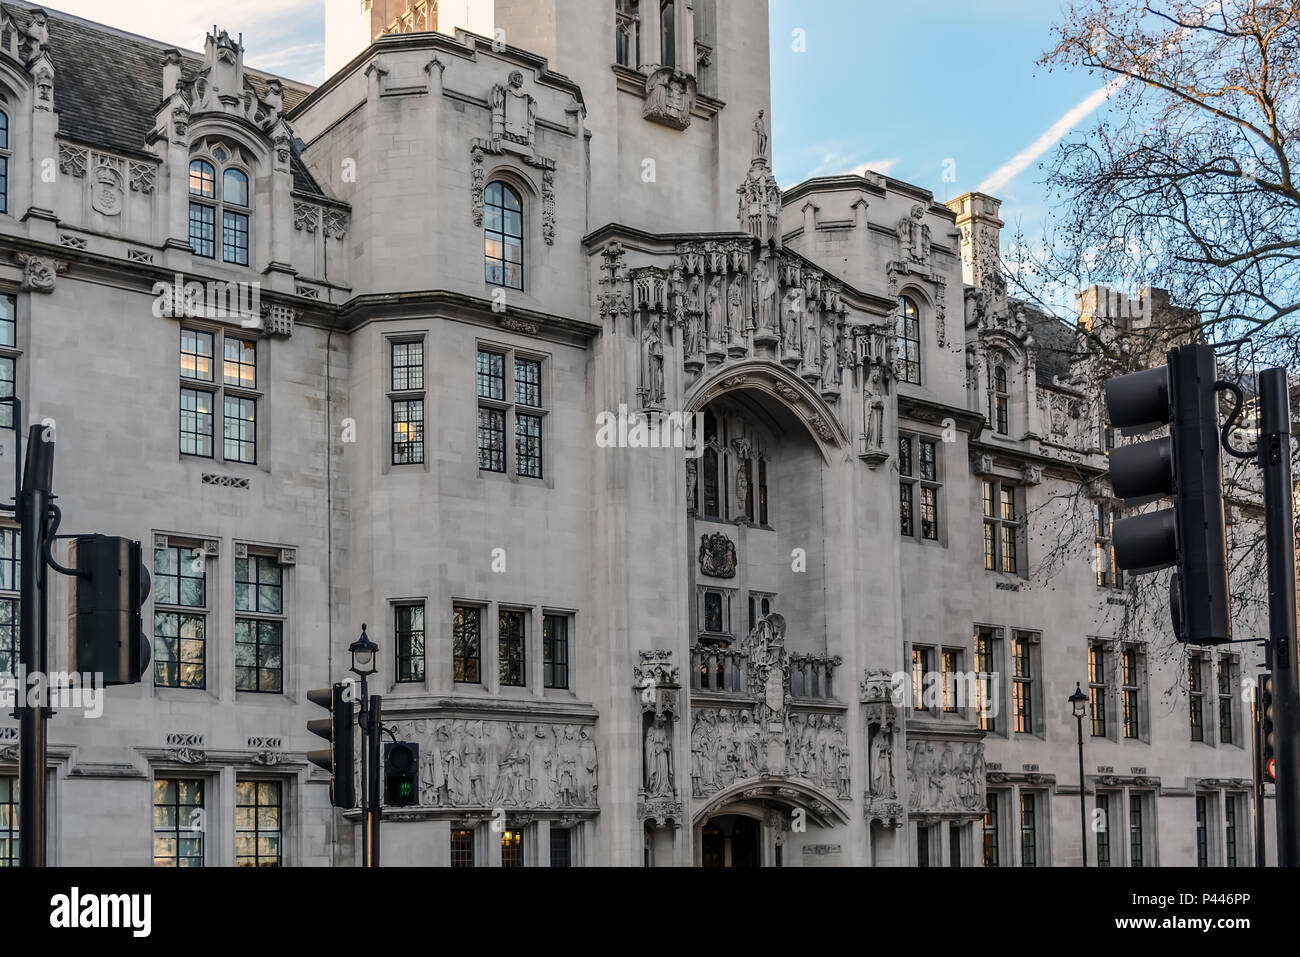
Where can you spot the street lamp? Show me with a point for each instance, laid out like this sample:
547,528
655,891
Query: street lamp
364,652
1079,707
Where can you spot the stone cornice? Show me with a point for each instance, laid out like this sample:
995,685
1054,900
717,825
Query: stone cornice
433,706
933,413
359,310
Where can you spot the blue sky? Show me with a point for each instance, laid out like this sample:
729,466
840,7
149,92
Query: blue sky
898,86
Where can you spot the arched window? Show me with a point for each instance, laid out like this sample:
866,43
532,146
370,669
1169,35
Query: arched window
4,162
503,236
999,400
908,331
668,32
230,204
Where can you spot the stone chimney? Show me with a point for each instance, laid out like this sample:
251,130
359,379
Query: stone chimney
980,228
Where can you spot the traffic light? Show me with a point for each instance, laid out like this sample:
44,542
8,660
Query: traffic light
105,629
1267,758
1184,464
401,774
338,758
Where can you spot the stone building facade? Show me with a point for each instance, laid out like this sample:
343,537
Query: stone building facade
410,349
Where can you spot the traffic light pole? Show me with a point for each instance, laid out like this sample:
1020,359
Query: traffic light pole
33,516
1275,461
375,807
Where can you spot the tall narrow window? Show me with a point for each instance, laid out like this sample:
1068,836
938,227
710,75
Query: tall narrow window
406,402
1226,699
518,408
990,827
1202,831
258,815
179,617
920,678
999,400
9,828
1028,830
259,624
1196,692
711,484
1104,517
1001,528
561,846
1022,686
951,667
510,649
954,844
9,355
512,848
918,471
227,202
410,641
908,333
235,392
178,822
627,33
748,468
555,651
1097,688
1230,829
1129,689
1135,830
922,845
4,162
668,32
985,707
10,565
1103,830
491,420
762,491
465,644
503,236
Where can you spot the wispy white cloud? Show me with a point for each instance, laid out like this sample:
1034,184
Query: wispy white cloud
283,37
1013,167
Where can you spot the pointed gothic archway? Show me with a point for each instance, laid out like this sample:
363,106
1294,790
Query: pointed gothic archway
748,824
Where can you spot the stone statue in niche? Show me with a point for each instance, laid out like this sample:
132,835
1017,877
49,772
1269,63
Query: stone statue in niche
694,312
882,765
743,449
764,297
692,479
830,365
760,137
654,361
714,312
658,758
735,316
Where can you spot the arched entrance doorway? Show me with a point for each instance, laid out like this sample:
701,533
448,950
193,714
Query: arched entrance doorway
731,840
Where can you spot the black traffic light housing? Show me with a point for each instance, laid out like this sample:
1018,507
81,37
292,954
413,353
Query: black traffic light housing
338,759
1267,755
401,774
105,602
1186,465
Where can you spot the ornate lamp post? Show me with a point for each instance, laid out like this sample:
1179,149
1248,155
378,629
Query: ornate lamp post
1079,707
364,652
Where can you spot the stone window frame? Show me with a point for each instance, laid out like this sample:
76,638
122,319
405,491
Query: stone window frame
470,838
408,394
920,664
570,634
999,399
282,814
10,582
9,822
1149,826
1000,525
283,618
522,195
217,202
1228,664
398,605
512,410
480,609
1099,688
11,353
903,340
1034,682
197,551
6,154
208,782
524,613
729,597
1134,690
1105,513
997,723
218,389
912,486
1200,731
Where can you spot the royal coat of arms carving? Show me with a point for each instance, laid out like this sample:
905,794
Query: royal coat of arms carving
717,556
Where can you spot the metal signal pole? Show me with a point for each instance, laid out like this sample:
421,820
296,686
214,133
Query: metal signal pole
1279,519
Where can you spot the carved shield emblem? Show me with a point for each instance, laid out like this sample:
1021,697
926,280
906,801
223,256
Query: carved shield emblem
717,556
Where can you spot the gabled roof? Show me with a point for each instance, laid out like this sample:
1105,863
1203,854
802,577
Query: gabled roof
108,84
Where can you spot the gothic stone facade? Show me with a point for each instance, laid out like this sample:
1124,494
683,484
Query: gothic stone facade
470,243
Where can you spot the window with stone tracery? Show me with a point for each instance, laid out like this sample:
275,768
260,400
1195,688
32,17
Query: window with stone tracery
4,162
627,33
220,199
733,471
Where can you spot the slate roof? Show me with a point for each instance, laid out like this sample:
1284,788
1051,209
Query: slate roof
108,84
